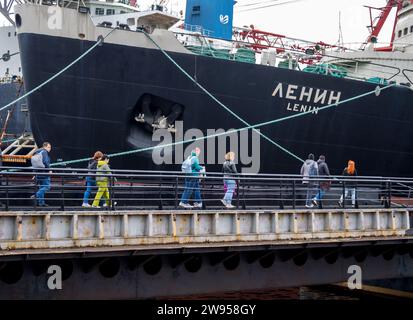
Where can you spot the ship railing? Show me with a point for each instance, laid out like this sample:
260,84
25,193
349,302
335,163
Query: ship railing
162,190
367,72
404,72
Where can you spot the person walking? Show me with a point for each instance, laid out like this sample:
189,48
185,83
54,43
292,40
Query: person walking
229,169
350,186
309,170
102,182
91,180
40,160
323,185
192,169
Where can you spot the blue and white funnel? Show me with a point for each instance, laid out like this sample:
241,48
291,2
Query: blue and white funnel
211,17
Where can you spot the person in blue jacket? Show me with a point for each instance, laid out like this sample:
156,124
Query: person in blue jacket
192,183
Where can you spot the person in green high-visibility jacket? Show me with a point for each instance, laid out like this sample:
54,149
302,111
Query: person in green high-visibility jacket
102,182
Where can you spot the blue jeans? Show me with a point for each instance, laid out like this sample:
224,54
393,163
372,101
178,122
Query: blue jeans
352,192
43,184
230,190
320,195
90,184
191,185
311,190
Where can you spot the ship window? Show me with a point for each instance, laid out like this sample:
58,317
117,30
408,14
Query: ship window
405,31
15,33
20,69
411,28
196,9
110,11
9,34
400,33
99,11
7,70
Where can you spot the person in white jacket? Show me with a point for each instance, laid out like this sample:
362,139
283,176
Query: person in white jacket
309,170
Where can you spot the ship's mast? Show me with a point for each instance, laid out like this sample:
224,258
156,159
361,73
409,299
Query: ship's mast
377,23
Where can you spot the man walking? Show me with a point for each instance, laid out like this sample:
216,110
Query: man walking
41,159
323,185
309,170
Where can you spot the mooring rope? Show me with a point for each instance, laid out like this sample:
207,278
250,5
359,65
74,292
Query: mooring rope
98,42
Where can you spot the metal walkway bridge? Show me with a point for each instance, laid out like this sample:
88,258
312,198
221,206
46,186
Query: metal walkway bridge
144,246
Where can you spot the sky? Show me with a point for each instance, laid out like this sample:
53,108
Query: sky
314,20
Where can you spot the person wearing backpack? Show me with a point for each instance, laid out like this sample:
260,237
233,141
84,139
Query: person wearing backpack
102,182
91,180
350,186
39,160
192,170
309,170
229,169
323,185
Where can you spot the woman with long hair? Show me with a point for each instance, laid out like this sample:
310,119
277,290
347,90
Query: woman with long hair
90,180
349,172
229,169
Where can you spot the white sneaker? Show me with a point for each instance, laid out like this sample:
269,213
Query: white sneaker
230,206
309,206
86,205
197,204
224,202
104,205
185,205
97,207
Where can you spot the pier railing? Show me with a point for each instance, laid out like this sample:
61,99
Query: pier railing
162,190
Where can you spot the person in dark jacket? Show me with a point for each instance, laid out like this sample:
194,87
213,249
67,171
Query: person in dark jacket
229,169
350,186
323,185
43,181
91,180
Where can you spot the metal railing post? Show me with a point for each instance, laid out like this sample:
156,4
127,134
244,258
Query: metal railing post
294,195
237,184
7,193
389,193
281,196
176,192
160,193
244,205
202,193
320,201
344,195
111,193
62,193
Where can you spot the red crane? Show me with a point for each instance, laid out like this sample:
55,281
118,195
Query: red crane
377,24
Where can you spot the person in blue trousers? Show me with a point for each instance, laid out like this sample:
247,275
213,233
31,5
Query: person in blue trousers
91,180
43,181
229,169
324,186
192,182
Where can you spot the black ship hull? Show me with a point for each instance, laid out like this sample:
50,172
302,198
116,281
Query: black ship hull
92,106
